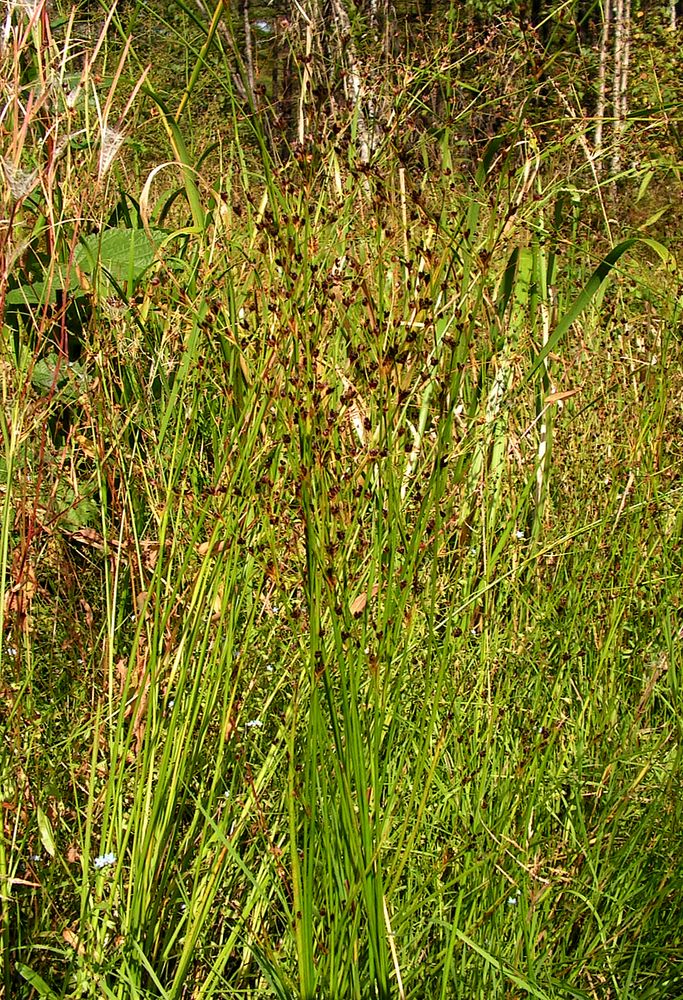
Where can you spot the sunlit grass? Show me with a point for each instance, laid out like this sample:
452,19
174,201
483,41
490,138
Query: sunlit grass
341,594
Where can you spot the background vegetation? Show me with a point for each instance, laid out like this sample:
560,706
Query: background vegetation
341,503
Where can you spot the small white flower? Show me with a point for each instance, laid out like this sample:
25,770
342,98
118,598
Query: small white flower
270,668
254,724
519,535
105,860
512,900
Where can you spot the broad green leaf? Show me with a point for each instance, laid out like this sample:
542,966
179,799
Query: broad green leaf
36,981
47,374
80,513
122,253
45,830
52,373
38,293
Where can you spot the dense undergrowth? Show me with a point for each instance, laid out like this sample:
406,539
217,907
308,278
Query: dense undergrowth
340,560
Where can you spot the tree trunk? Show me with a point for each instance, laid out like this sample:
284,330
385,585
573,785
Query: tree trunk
248,47
353,83
622,44
602,83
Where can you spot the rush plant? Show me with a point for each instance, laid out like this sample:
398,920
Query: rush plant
341,646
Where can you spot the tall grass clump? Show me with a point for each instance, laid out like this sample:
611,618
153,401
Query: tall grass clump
340,500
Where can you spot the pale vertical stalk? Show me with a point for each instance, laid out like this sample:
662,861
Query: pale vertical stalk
248,48
616,83
602,81
542,456
305,82
386,44
374,16
353,82
672,15
626,55
404,208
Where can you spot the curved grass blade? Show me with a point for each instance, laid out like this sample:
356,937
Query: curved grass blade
593,285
